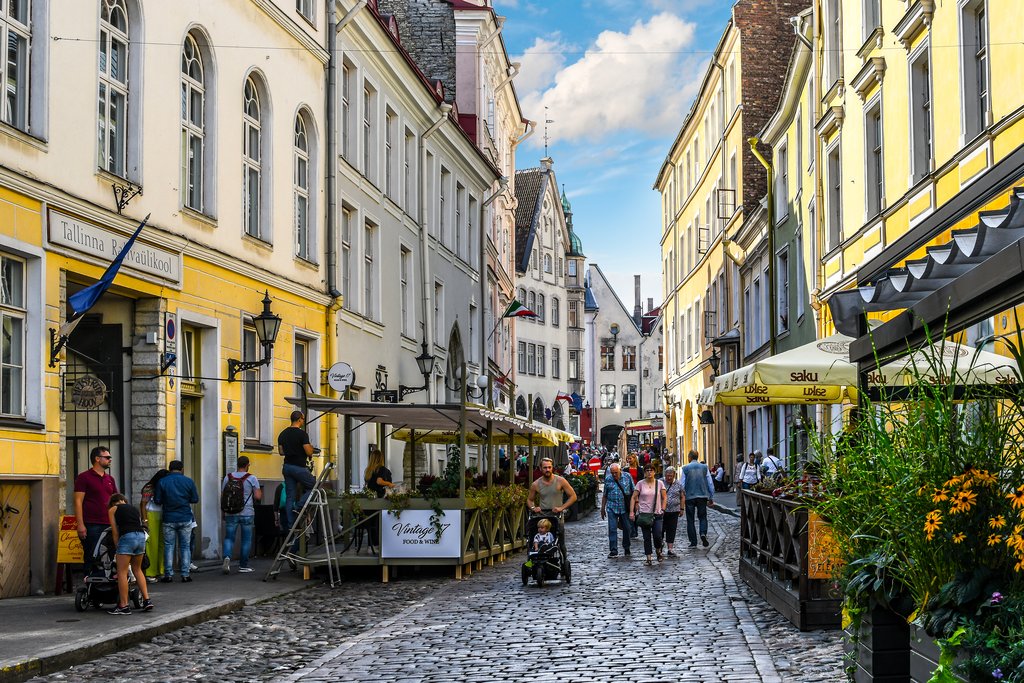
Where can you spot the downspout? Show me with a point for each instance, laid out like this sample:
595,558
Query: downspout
445,109
772,275
502,187
513,71
500,22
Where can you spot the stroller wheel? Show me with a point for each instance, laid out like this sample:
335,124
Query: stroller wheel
82,599
526,575
566,571
538,575
136,597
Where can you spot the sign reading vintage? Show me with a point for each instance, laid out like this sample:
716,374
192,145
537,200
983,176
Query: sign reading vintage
412,535
104,244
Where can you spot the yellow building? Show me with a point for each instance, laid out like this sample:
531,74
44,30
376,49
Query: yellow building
709,184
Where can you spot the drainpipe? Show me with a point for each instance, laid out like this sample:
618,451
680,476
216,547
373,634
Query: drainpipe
484,301
348,15
444,109
500,21
513,71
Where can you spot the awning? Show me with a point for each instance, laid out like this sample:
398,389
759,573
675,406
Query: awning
646,425
706,397
821,372
440,418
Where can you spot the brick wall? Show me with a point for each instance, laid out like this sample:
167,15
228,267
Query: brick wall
766,44
427,28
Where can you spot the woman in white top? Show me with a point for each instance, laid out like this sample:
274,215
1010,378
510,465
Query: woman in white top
649,500
750,473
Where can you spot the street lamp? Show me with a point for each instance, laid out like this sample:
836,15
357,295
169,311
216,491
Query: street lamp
471,391
267,325
716,362
425,362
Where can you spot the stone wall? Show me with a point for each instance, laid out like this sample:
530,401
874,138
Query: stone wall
149,396
427,29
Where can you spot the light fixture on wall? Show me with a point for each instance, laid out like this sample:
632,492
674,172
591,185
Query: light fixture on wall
267,325
425,362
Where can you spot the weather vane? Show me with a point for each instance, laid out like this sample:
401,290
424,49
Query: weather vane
546,122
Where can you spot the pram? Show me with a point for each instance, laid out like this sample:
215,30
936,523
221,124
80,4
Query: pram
550,561
100,586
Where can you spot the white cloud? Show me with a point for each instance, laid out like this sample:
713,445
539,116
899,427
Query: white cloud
541,61
642,81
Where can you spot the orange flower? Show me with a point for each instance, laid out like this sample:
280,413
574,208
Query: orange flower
963,501
1019,567
997,522
994,539
931,525
959,538
940,495
984,477
1016,498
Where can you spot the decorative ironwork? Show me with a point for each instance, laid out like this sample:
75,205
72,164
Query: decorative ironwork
124,193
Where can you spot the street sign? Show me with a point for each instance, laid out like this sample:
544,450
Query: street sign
385,396
340,377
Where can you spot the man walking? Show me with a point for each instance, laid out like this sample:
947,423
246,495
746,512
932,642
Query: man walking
618,491
293,444
699,490
177,494
93,489
238,494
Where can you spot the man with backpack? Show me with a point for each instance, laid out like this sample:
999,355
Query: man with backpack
238,492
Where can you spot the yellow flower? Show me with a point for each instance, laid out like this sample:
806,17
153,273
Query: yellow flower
963,500
984,477
997,522
954,481
1016,498
931,525
994,539
958,538
1019,567
934,515
940,495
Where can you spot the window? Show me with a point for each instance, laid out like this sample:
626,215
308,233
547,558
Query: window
522,296
629,396
607,395
460,228
13,312
661,357
389,152
347,71
438,313
540,308
798,140
300,189
370,271
572,267
782,303
974,69
252,169
300,361
874,190
833,43
369,105
251,408
629,358
835,199
473,209
14,58
872,17
556,361
346,259
405,273
920,117
607,357
522,358
113,87
574,313
801,275
555,311
531,359
541,361
781,183
547,263
193,124
531,303
443,203
574,365
409,184
558,268
305,8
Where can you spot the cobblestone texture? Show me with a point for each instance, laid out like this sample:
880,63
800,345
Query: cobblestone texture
688,619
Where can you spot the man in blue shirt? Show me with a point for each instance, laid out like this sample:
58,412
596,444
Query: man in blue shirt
177,494
699,487
618,491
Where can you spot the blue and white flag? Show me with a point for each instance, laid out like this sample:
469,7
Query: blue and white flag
82,300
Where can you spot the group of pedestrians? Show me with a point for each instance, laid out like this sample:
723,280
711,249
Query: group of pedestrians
653,505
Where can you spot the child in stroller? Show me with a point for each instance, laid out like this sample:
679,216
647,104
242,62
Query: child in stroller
100,585
546,558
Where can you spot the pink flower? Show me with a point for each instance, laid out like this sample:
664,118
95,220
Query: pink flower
997,598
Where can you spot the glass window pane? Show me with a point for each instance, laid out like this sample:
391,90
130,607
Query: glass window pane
13,290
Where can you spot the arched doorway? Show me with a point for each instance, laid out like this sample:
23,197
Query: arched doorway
557,417
539,413
521,406
610,437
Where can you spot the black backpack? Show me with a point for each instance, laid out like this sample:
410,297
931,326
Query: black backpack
232,497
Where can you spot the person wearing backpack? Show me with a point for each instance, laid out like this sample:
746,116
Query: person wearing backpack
238,492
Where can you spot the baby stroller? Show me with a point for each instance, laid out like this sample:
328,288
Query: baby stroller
549,561
100,587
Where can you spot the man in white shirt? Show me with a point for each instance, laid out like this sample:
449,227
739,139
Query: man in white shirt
771,465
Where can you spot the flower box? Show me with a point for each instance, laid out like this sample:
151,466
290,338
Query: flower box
882,648
924,655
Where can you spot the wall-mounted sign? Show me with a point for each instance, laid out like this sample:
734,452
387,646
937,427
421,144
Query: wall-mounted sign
88,392
411,535
384,396
340,377
104,244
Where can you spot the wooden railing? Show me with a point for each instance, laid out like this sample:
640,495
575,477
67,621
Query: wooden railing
773,561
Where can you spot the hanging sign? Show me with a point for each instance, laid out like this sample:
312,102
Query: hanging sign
340,377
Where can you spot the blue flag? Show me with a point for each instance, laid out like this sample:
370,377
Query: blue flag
577,402
82,300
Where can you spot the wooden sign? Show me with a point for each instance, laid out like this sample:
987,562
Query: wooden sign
822,551
69,546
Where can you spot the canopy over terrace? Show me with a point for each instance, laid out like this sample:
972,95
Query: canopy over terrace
821,372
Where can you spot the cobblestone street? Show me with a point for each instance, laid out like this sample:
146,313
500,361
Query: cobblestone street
688,619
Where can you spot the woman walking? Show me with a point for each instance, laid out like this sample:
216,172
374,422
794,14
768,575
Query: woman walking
151,513
674,500
648,510
750,472
130,540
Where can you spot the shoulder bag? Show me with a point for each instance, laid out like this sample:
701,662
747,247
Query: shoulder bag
625,501
646,519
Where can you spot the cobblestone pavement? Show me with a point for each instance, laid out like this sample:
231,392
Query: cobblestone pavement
688,619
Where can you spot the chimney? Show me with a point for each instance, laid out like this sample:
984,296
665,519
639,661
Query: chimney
637,312
546,163
650,304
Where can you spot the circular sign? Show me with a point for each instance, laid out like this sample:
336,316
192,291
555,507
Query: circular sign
170,329
340,376
88,392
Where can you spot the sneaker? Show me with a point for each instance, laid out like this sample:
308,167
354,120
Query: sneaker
186,579
193,567
672,553
692,545
226,566
166,579
704,540
244,570
614,553
147,605
126,609
151,579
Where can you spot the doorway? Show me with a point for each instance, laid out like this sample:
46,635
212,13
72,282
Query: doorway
190,447
15,540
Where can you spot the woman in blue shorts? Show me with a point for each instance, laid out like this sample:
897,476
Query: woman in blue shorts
130,540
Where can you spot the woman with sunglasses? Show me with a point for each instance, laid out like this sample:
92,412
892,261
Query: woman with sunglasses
647,510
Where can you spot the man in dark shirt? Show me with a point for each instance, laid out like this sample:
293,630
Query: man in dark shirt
93,489
293,443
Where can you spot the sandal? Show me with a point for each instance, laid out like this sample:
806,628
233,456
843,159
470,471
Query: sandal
660,558
648,561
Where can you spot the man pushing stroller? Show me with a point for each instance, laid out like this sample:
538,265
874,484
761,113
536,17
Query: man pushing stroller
549,496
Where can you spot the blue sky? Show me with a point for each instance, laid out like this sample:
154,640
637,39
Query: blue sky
617,78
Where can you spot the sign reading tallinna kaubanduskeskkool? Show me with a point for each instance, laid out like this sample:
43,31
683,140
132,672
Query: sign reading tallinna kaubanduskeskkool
411,535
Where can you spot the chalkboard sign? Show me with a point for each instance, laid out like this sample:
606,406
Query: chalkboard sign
633,442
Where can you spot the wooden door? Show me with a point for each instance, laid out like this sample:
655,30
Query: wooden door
190,449
15,540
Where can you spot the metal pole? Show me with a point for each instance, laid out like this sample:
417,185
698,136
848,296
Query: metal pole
462,439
